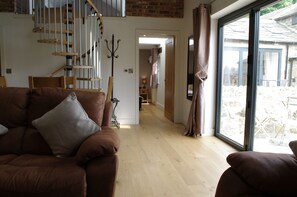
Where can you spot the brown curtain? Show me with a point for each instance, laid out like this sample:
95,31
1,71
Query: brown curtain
201,31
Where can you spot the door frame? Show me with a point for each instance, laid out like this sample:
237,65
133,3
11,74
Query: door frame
157,33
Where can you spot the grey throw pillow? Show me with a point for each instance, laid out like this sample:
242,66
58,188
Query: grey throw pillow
66,126
3,129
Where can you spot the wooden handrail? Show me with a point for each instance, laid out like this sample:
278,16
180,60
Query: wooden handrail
84,55
98,13
93,7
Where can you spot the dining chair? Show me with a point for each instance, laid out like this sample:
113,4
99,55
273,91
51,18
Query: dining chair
38,82
70,82
2,82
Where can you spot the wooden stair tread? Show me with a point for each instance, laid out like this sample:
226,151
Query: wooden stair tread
88,79
91,89
71,67
54,41
41,30
65,54
79,67
48,41
52,20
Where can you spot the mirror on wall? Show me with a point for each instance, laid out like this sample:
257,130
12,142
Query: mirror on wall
190,70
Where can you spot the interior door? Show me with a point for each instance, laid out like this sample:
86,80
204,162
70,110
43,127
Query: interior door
169,79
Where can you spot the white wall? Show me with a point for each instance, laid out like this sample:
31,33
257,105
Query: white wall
21,52
126,85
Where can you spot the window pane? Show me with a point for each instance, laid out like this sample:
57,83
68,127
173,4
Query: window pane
276,102
234,79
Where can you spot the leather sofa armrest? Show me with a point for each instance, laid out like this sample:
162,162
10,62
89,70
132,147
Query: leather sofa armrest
107,114
270,173
105,142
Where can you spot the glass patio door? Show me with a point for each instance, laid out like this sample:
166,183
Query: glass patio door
234,80
257,77
276,98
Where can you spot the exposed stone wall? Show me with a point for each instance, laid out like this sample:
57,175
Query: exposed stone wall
155,8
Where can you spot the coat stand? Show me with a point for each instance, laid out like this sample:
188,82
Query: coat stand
112,55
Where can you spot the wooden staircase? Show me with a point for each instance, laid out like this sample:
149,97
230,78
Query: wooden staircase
75,28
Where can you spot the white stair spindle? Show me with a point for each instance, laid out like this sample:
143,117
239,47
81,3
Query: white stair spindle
67,26
44,24
55,23
86,34
90,40
49,19
61,27
40,15
80,27
74,28
95,41
35,14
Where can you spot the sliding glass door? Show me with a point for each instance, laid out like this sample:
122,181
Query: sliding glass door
234,79
276,98
257,77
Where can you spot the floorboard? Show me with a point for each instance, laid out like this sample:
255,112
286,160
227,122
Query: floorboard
155,159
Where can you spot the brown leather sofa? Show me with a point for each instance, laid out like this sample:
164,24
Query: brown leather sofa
259,174
27,164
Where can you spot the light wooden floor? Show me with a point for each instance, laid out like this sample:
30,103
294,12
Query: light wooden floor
156,160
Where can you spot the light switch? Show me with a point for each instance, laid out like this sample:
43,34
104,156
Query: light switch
8,71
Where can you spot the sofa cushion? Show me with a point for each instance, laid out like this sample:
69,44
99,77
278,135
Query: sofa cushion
66,126
265,171
41,176
11,142
4,159
13,108
3,129
45,99
34,143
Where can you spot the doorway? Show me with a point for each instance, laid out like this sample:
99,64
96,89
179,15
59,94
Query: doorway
156,72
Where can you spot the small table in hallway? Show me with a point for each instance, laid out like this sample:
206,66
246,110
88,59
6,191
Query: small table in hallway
143,92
